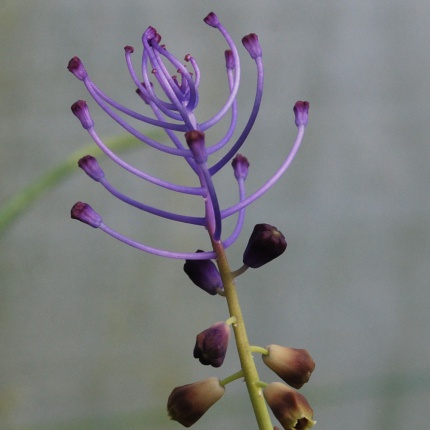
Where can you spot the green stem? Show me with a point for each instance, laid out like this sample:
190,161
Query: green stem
259,349
243,347
17,204
231,378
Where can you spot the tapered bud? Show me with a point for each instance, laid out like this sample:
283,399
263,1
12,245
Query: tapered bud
290,407
211,344
188,403
86,214
265,244
204,274
91,167
301,110
294,366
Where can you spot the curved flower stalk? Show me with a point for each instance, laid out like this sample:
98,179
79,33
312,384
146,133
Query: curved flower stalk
173,100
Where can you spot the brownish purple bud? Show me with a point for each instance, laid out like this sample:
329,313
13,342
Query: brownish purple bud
294,366
211,344
265,244
204,274
290,407
188,403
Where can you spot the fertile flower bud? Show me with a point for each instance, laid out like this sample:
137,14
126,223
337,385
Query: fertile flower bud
211,344
294,366
252,45
86,214
91,167
81,111
301,110
204,274
265,244
290,407
188,403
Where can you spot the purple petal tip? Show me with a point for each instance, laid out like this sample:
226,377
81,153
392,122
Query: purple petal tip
301,111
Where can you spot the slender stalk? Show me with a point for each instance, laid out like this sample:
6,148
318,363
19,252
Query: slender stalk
16,205
243,347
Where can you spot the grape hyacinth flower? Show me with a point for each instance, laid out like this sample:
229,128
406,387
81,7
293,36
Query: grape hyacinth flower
173,100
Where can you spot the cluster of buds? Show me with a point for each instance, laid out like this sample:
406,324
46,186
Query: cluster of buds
173,106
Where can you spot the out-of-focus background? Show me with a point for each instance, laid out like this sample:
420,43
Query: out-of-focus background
94,335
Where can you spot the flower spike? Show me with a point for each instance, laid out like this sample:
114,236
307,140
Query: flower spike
172,100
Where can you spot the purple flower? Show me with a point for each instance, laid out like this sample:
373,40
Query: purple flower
211,344
172,101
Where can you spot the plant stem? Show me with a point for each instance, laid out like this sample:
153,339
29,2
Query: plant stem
20,202
243,347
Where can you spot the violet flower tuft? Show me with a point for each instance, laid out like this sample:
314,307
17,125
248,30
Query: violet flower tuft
173,101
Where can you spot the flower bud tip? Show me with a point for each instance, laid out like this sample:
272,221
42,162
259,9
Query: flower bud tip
252,45
85,213
301,111
212,20
76,67
91,167
81,111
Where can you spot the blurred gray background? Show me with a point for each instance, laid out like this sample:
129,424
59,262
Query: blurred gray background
94,335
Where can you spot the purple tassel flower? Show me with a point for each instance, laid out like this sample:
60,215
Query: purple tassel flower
173,100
